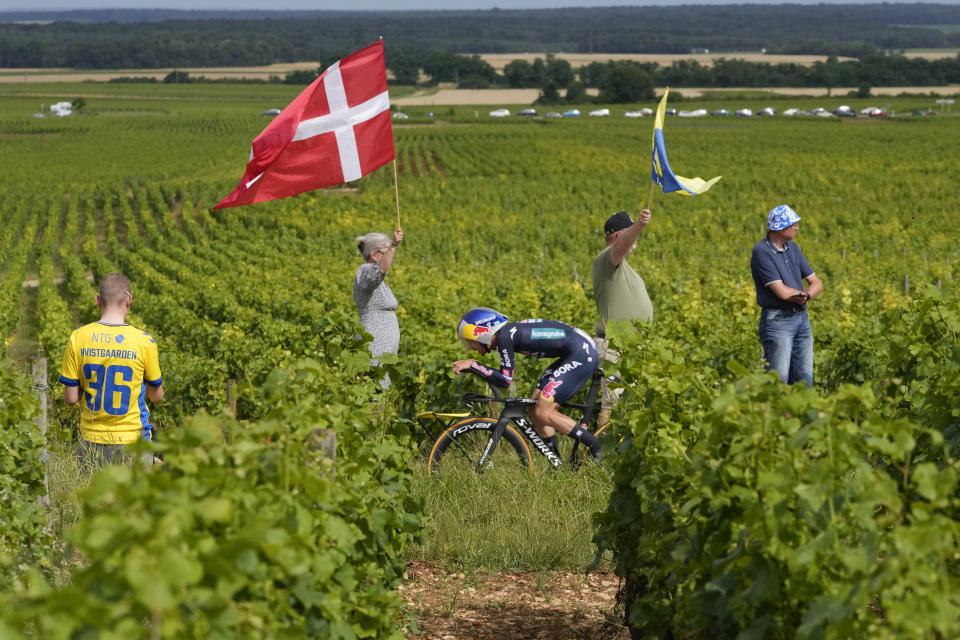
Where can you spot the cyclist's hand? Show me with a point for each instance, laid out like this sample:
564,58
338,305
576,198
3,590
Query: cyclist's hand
462,365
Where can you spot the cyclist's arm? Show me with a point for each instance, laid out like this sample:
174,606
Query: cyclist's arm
492,376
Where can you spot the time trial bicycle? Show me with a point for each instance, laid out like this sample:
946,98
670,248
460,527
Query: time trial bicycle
510,440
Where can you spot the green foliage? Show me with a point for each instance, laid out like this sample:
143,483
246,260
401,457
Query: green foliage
508,214
520,74
405,70
442,66
166,38
303,77
24,537
744,508
625,82
246,531
177,77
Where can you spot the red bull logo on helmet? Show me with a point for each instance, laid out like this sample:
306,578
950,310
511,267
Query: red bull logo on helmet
550,389
479,331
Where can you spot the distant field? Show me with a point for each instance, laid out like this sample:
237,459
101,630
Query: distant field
496,60
499,60
932,54
527,96
103,75
264,96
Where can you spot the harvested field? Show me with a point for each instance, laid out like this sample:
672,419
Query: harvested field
499,60
69,75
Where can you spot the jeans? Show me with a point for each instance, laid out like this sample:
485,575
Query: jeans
95,455
787,344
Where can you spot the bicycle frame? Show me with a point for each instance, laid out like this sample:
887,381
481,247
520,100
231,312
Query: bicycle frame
514,410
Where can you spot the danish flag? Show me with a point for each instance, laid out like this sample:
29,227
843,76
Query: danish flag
337,130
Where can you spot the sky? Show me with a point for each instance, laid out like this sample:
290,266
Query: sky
370,5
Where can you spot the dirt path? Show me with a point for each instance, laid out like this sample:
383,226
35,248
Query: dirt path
552,605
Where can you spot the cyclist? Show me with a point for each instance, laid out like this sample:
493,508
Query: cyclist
575,358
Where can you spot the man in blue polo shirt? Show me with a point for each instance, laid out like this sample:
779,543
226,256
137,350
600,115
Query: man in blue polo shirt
779,269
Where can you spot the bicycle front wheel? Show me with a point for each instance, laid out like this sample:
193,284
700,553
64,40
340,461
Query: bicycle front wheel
460,446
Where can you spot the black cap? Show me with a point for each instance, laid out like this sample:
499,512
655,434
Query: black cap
617,222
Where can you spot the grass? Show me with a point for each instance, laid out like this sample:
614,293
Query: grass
511,520
67,480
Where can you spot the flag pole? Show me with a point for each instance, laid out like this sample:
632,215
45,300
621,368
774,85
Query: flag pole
650,197
396,189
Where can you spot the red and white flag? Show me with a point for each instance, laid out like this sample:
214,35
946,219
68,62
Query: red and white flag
337,130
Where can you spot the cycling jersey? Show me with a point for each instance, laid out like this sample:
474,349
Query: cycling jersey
112,364
576,356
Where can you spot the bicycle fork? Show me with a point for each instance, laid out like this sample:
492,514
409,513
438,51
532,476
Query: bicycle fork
492,443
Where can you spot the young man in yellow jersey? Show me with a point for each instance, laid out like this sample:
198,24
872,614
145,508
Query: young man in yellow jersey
111,368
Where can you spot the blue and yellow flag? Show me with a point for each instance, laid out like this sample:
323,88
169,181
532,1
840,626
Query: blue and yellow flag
661,173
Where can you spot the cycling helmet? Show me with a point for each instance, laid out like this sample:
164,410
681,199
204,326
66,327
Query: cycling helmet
480,324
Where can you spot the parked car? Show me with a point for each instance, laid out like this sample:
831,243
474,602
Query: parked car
767,111
527,112
670,112
500,113
600,113
818,110
572,113
843,111
552,114
720,112
271,112
917,112
695,113
745,113
633,114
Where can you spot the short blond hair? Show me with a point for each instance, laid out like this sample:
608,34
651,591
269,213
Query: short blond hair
114,288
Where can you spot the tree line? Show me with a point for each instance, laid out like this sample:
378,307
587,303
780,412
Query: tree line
625,81
162,38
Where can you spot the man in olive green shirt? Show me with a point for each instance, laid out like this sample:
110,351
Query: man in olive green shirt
619,290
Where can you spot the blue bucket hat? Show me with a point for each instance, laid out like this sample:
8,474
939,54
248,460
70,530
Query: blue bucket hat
781,217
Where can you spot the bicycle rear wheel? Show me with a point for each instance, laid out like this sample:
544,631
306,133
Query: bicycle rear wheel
460,446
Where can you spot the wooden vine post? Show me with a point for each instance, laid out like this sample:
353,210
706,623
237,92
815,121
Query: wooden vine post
38,370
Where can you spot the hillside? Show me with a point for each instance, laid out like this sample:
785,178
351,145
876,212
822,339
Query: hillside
154,38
